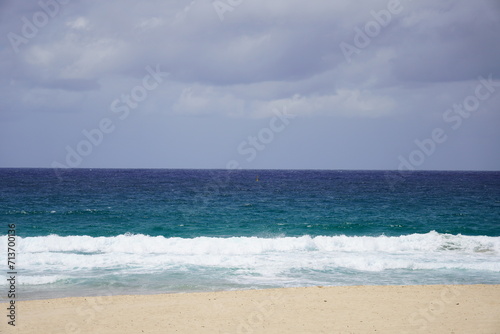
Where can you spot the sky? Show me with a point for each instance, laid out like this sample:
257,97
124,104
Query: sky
288,84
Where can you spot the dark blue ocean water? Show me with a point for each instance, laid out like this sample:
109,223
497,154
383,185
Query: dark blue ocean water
83,232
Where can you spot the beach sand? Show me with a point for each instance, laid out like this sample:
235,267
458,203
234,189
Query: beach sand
356,309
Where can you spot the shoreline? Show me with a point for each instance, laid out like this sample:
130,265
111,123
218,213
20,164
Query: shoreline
333,309
111,293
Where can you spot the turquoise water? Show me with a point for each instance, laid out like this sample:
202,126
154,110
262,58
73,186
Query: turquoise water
91,232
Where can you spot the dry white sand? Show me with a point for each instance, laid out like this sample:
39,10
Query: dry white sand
360,309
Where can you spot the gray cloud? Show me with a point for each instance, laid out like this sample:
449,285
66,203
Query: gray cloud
262,56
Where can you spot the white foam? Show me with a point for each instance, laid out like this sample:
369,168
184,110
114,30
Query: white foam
143,244
56,256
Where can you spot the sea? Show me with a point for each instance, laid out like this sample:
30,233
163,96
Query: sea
88,232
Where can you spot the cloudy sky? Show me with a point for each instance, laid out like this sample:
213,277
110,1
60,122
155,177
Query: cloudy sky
254,84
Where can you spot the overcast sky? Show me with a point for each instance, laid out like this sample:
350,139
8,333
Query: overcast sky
251,84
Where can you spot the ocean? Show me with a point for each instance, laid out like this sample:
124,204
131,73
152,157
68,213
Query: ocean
83,232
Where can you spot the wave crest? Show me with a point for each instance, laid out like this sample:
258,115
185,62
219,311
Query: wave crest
144,244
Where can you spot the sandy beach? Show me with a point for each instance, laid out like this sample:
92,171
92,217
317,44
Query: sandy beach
356,309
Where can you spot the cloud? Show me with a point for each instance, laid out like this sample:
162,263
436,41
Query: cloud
150,23
205,101
448,41
80,23
346,103
263,55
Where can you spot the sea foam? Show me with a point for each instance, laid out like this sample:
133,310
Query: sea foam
143,244
49,259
